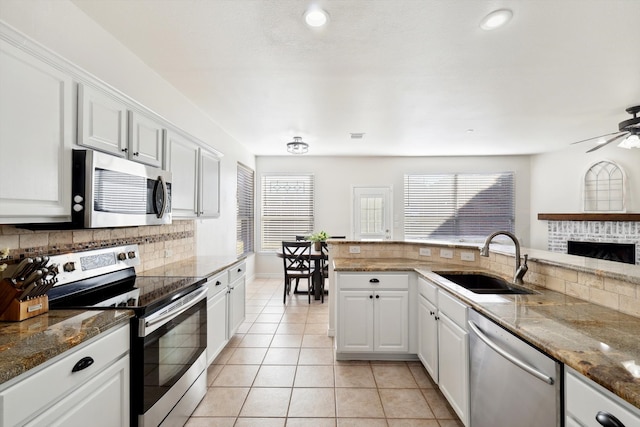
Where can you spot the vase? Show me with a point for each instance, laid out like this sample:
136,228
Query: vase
317,246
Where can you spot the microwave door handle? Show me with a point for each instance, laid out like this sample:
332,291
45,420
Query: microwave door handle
165,195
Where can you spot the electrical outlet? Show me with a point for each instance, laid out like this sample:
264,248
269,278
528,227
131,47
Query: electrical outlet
467,256
446,253
168,253
354,249
425,251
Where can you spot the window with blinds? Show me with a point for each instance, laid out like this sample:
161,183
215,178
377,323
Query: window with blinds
287,208
245,211
458,205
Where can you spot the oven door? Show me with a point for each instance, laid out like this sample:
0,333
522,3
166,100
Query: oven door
168,357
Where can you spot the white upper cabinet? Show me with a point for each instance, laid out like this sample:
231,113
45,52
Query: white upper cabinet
102,121
36,135
182,161
106,124
209,184
145,140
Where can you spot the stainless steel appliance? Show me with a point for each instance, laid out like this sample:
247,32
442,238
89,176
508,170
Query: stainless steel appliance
109,191
169,329
511,382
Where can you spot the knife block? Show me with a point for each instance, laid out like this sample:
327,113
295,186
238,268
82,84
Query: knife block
15,311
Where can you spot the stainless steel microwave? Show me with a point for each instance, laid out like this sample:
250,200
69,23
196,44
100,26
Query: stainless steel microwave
109,191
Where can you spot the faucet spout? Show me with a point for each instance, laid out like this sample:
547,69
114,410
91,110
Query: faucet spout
521,269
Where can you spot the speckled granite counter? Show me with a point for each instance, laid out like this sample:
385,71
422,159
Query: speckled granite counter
202,266
592,339
27,344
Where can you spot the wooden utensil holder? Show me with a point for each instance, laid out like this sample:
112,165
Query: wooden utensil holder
15,311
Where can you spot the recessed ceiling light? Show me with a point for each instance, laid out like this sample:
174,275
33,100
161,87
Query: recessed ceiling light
496,19
316,17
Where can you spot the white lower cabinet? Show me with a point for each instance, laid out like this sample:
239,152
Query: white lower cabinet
443,344
217,315
60,394
236,298
585,400
373,313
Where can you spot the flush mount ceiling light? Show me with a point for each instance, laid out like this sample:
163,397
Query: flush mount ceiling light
316,17
297,146
496,19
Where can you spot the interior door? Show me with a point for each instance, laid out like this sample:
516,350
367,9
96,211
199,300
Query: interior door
372,213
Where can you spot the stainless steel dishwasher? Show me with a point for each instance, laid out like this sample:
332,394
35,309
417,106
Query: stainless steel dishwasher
512,384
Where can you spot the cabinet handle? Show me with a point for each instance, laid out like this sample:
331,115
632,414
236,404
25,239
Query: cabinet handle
83,363
607,420
124,150
239,270
218,283
136,153
370,296
374,280
432,313
377,296
437,317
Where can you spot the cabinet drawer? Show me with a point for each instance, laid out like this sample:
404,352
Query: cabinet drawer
584,399
373,281
53,382
428,290
454,309
236,271
217,284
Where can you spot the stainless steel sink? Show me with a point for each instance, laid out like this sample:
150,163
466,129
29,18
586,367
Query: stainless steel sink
483,284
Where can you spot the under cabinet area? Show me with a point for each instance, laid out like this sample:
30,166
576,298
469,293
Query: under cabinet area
588,404
443,344
36,130
373,313
86,383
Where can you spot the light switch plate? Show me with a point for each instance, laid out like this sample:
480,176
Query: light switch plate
446,253
467,256
354,249
425,251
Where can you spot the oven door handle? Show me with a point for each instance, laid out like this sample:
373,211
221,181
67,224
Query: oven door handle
153,324
511,358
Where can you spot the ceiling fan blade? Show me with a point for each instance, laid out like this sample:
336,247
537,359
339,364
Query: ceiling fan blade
607,142
596,137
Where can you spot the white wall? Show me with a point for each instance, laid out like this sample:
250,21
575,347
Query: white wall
557,182
335,176
63,28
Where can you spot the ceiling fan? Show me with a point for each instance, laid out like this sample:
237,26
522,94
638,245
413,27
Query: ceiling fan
628,132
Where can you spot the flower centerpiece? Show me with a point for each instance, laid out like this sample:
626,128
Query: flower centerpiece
4,254
317,239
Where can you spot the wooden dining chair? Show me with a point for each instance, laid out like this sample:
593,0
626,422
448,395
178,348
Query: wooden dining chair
324,248
297,265
300,238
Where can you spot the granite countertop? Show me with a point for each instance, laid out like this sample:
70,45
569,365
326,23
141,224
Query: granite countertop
200,266
32,342
592,339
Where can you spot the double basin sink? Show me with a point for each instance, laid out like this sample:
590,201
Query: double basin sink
480,283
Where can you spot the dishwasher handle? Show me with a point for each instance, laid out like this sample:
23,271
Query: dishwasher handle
511,358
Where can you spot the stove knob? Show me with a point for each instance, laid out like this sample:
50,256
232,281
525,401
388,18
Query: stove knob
131,302
122,256
131,254
69,266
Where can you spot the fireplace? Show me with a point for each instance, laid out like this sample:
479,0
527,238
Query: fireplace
619,252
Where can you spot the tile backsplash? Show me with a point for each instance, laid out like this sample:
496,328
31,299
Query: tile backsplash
159,244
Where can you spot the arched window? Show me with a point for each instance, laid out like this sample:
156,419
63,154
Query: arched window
604,188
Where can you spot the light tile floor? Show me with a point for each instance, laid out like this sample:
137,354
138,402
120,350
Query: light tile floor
279,370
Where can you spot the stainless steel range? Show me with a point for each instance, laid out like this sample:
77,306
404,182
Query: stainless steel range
169,329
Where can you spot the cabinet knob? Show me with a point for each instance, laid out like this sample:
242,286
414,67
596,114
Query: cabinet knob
370,296
432,313
437,317
607,420
124,150
218,283
377,296
136,153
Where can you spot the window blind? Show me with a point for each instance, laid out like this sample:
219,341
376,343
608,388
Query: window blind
245,210
458,205
287,208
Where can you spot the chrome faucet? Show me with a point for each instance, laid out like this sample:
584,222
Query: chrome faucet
521,269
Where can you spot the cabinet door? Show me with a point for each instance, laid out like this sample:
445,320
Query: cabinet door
453,372
216,325
391,321
102,121
182,161
209,205
355,321
36,135
236,305
428,337
145,140
102,402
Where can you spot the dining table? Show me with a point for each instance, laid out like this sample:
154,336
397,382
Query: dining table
317,278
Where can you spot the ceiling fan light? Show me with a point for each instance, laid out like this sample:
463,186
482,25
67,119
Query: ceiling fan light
496,19
632,141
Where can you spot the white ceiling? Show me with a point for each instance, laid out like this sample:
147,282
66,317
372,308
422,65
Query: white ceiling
413,75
